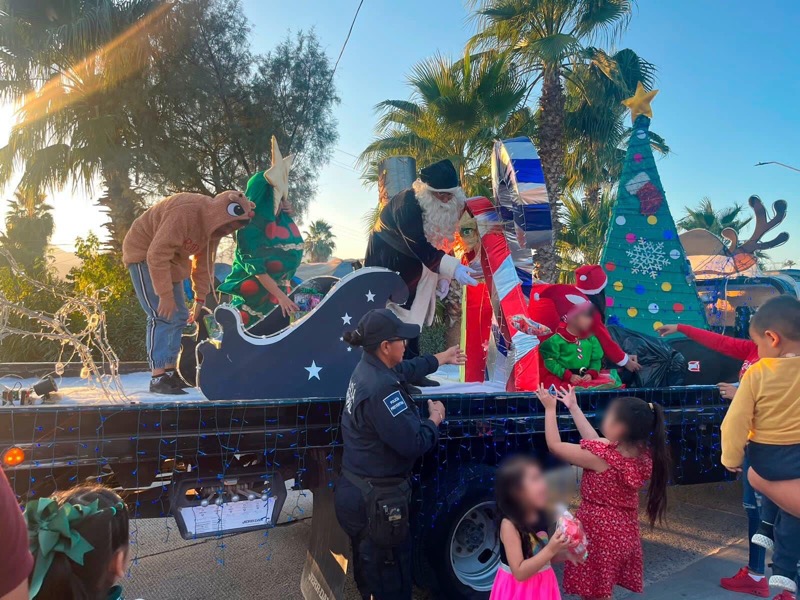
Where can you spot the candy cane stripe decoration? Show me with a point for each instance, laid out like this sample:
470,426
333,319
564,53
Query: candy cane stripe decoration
501,275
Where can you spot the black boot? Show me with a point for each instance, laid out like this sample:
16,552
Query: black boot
162,384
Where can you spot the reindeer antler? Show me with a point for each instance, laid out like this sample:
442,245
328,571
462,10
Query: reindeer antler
763,225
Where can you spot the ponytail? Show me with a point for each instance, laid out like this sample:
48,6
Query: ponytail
646,426
662,465
98,524
354,338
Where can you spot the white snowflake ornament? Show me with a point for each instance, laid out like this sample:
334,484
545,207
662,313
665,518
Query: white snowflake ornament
647,258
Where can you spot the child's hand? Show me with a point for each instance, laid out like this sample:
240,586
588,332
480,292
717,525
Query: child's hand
567,397
546,398
558,543
575,379
586,377
727,390
666,330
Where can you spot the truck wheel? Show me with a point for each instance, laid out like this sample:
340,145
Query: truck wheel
473,547
459,544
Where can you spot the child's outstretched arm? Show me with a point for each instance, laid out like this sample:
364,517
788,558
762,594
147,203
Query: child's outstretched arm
525,568
568,398
571,453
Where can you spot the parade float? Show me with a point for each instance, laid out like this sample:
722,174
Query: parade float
268,406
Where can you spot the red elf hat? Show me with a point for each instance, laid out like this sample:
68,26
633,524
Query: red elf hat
566,299
590,279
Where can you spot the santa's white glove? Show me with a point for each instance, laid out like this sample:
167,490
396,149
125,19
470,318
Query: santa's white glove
443,288
463,275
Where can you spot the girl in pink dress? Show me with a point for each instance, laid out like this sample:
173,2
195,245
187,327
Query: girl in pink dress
525,572
615,467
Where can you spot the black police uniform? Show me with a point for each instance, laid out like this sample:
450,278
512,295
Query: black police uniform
384,435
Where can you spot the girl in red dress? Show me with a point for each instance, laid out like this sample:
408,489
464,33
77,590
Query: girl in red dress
633,451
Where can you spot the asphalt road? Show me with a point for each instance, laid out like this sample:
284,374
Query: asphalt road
702,540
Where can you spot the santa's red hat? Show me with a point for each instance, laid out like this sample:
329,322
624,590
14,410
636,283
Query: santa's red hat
590,279
566,299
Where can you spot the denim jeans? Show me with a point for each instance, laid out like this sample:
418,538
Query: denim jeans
163,335
753,503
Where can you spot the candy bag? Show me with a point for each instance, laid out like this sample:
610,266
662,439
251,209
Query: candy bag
571,527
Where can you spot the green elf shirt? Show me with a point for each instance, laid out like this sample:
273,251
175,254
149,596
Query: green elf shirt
269,244
564,355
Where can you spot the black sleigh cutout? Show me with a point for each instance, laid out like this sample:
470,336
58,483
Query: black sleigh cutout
308,359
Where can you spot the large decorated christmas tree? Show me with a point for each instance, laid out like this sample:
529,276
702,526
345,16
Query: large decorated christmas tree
650,281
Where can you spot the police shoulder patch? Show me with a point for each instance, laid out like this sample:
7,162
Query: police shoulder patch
395,403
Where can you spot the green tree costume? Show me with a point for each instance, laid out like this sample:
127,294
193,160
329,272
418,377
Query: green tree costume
269,244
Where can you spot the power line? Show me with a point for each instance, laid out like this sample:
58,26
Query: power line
347,39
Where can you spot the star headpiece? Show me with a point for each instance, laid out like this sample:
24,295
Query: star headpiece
639,103
278,175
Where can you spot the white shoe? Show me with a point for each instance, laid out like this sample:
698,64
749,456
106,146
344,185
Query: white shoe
784,583
759,539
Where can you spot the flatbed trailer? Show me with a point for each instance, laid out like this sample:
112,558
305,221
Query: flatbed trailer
171,459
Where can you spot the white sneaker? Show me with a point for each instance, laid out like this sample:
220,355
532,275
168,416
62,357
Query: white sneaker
784,583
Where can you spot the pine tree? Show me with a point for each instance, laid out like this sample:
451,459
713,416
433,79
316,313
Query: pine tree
650,280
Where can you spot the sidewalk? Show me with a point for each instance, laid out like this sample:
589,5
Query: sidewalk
701,579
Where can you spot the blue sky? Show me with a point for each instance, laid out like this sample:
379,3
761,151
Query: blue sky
727,70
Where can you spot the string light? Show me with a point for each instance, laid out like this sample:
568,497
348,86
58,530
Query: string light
79,325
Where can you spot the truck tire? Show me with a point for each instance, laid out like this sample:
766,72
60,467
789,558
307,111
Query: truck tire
458,551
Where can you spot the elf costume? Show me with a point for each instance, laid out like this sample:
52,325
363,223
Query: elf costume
567,353
270,244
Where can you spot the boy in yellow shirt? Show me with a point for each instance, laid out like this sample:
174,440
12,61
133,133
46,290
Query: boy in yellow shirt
764,421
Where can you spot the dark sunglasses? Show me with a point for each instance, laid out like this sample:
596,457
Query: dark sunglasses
404,340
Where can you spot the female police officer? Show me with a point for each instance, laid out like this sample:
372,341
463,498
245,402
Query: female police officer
384,435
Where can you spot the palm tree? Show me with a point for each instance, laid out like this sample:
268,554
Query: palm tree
705,216
81,82
456,111
546,39
318,240
583,231
29,227
596,122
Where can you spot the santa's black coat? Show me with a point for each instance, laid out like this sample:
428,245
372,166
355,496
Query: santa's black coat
398,241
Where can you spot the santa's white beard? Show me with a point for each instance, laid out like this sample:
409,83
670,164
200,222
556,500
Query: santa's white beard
439,219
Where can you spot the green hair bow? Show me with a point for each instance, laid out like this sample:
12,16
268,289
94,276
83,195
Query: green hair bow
50,531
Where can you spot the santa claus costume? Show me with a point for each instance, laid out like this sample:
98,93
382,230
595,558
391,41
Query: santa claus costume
414,236
573,354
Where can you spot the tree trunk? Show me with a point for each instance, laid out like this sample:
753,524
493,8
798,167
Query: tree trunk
552,154
121,203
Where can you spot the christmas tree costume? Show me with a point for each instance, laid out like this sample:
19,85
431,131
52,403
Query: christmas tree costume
270,244
651,281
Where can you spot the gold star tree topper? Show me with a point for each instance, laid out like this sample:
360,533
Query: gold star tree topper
278,175
639,103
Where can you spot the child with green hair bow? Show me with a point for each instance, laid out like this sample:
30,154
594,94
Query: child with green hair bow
79,541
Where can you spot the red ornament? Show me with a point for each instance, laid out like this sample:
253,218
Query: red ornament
274,266
295,231
245,317
269,230
610,266
637,158
650,199
677,307
248,287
